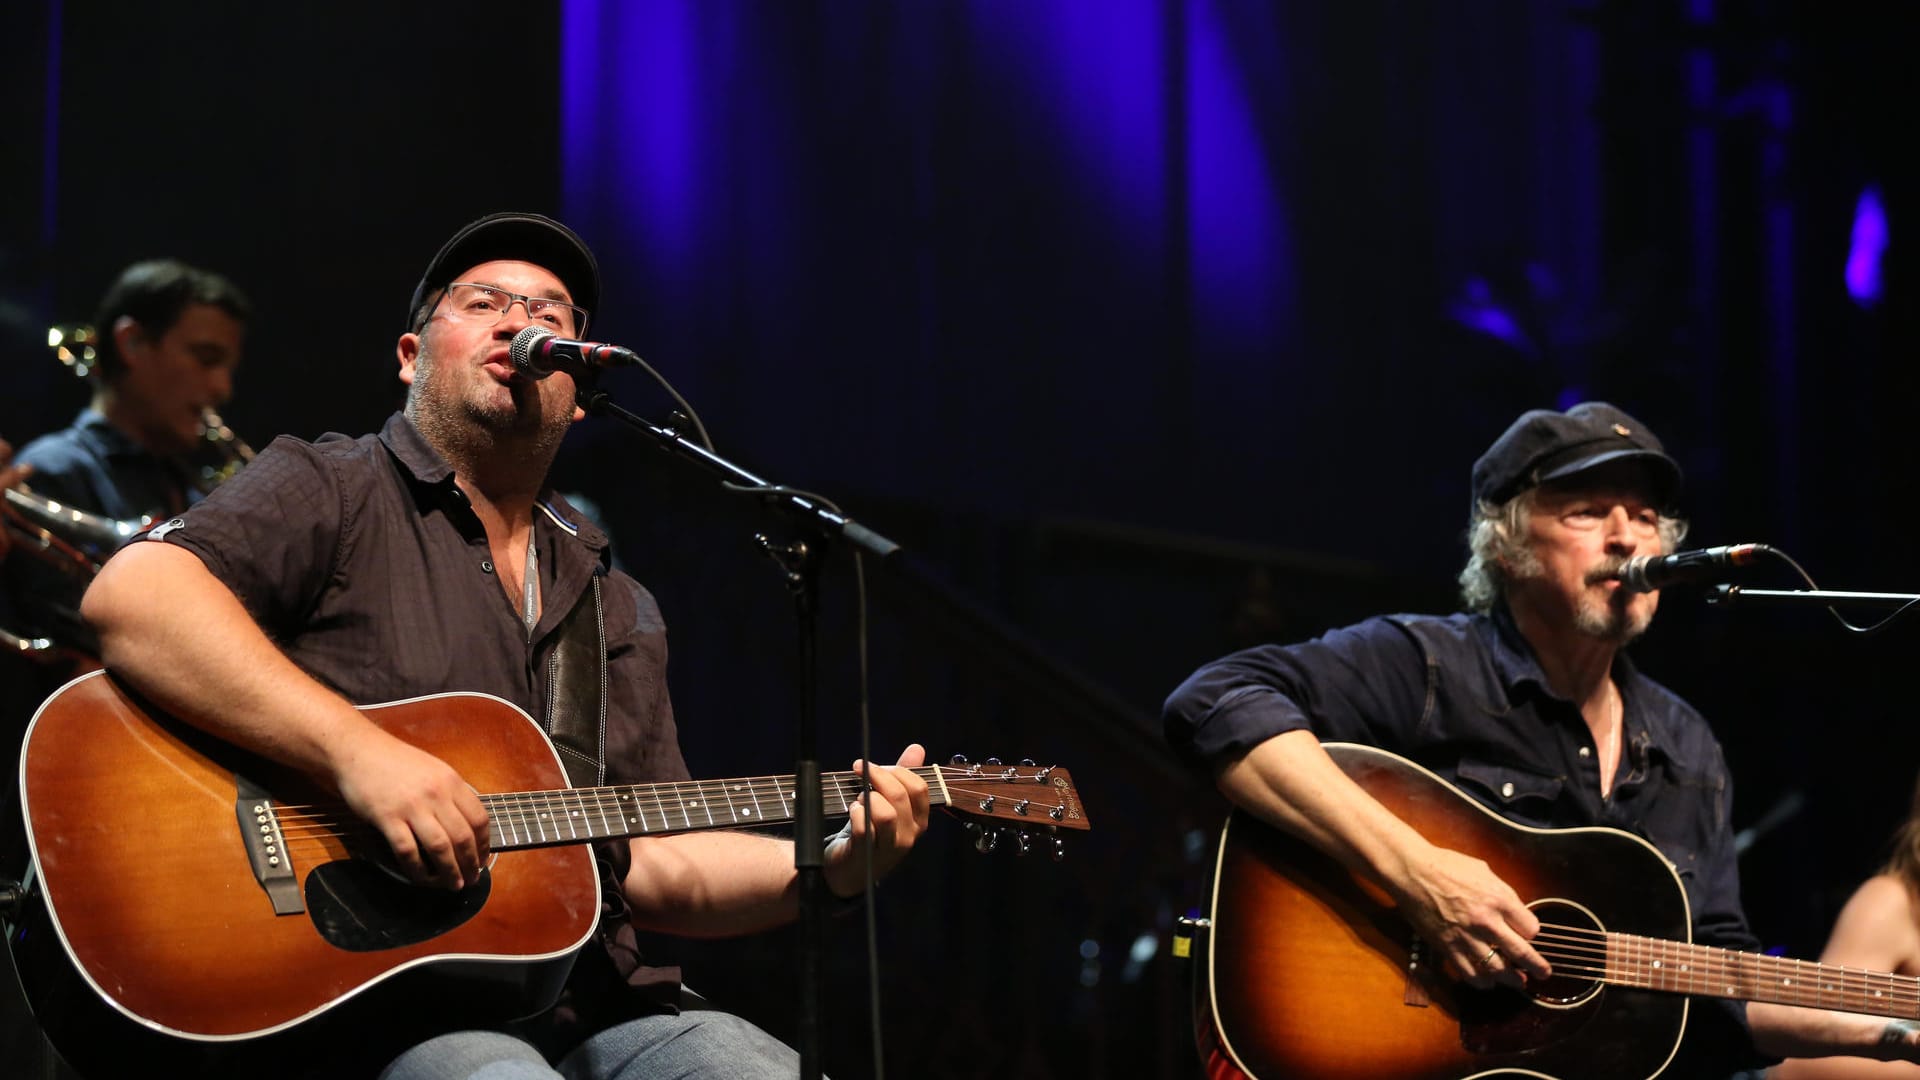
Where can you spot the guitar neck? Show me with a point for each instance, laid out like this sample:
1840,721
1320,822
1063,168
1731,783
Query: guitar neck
1677,967
532,819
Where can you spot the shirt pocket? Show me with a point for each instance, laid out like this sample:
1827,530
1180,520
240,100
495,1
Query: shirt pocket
1518,794
1683,817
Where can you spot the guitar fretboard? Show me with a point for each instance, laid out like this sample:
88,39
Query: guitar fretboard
576,815
1681,968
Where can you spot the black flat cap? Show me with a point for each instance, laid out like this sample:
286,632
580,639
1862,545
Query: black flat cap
525,237
1545,445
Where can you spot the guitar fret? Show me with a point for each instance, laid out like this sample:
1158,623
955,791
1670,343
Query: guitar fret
1680,967
571,814
600,804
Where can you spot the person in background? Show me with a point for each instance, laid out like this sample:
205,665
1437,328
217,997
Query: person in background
170,336
1878,930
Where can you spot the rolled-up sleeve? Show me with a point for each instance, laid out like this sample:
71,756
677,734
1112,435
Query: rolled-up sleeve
1367,683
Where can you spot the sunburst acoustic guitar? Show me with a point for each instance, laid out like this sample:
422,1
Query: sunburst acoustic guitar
1307,974
201,903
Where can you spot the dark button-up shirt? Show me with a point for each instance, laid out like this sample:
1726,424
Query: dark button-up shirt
365,563
1465,697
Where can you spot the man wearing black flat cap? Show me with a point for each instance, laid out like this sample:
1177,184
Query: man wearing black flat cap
433,557
1528,704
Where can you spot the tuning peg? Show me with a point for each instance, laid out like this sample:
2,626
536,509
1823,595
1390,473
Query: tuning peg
1025,843
993,761
986,841
1059,849
1027,762
957,759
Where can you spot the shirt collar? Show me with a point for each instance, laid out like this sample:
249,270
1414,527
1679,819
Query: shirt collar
93,426
428,469
1514,659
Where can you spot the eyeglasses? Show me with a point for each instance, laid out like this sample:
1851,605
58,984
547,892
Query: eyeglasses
486,305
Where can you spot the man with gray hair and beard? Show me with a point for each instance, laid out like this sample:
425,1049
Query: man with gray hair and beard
1528,704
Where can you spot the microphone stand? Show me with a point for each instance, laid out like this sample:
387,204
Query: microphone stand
1731,594
800,561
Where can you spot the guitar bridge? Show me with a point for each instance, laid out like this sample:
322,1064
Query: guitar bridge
266,848
1415,996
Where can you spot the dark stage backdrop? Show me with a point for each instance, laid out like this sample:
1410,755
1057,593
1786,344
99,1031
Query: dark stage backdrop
1151,327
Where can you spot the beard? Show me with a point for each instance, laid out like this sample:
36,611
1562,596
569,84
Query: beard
1611,617
471,419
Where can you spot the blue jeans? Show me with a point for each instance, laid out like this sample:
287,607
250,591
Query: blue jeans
699,1043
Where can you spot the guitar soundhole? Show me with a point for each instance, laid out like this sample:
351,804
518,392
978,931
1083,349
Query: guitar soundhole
362,907
1570,939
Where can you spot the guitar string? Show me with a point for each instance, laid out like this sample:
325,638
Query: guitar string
529,810
1644,961
848,783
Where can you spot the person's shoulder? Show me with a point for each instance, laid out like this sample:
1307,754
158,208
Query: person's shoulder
342,455
1882,911
1457,628
1658,695
631,604
54,452
1884,891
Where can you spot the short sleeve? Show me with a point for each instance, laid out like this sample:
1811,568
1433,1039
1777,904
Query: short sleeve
273,534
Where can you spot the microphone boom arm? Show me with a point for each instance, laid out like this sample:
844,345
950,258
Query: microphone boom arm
828,522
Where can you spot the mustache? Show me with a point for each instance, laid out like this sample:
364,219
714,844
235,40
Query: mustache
1607,570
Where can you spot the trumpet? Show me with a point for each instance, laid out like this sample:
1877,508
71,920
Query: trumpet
229,453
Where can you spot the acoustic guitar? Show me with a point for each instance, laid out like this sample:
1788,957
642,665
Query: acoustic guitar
1309,974
212,901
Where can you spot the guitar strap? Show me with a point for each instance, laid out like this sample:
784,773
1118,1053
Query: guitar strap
577,690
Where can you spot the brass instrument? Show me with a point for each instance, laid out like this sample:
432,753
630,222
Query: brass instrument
229,452
74,540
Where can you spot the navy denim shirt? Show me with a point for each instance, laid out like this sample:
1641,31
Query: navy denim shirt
1464,696
92,466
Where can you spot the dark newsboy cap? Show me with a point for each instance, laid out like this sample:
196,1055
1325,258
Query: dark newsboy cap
523,237
1545,445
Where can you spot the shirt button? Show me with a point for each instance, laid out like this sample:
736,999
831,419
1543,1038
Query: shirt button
1586,751
486,565
1506,790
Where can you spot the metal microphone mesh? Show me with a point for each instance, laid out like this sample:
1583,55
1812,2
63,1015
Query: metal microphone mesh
520,351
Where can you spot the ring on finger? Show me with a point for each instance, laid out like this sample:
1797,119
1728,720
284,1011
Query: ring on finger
1487,961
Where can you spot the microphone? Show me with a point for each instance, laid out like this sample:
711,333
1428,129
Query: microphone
538,352
1645,573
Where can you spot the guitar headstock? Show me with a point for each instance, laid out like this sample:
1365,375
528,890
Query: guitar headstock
1021,801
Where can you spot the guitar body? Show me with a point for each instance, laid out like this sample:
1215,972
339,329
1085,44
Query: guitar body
152,915
1311,975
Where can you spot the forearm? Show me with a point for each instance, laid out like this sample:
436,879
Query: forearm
1790,1031
712,884
1290,782
213,666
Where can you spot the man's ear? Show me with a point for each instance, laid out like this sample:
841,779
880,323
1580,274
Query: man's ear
129,338
407,350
